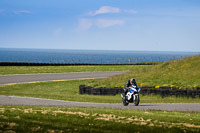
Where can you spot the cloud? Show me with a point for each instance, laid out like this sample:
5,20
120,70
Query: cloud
86,24
110,9
91,20
104,10
22,12
103,23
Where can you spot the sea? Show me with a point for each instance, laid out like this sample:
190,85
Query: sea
87,56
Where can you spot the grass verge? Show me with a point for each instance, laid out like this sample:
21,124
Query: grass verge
69,90
64,69
62,119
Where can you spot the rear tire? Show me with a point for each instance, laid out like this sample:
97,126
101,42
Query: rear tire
137,100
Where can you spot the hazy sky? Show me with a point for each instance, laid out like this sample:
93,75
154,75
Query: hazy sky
153,25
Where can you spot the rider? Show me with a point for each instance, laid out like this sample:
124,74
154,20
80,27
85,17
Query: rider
129,83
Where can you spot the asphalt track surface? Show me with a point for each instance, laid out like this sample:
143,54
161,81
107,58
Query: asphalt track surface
14,100
25,78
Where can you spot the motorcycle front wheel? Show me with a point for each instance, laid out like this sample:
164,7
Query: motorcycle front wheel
124,101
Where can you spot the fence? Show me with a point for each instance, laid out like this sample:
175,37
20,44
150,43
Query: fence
134,60
162,91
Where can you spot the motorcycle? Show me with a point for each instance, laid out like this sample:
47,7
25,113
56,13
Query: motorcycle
132,96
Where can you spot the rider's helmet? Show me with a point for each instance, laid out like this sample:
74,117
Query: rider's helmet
132,80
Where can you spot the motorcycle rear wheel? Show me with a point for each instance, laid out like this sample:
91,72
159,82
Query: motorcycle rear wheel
137,100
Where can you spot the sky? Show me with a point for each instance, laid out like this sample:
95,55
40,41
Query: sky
139,25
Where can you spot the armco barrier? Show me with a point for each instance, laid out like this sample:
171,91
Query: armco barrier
162,91
99,91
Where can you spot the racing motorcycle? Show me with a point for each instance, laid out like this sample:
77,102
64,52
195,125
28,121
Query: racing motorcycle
132,96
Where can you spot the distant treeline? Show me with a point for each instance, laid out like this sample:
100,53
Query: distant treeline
162,91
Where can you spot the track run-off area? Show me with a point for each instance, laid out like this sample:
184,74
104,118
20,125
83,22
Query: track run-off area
25,78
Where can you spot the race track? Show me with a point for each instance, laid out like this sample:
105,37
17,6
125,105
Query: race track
14,100
25,78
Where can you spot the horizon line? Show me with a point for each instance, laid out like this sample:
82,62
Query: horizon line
101,50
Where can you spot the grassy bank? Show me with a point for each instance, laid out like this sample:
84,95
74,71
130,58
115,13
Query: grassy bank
69,90
182,73
64,69
62,119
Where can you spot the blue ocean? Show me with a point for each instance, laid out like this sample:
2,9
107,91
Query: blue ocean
87,56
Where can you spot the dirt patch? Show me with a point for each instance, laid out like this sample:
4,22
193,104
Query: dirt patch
72,113
141,121
186,125
35,128
2,110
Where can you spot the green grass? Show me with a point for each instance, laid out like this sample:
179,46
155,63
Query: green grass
69,90
182,73
64,69
61,119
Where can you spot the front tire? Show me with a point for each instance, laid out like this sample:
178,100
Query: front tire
124,101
